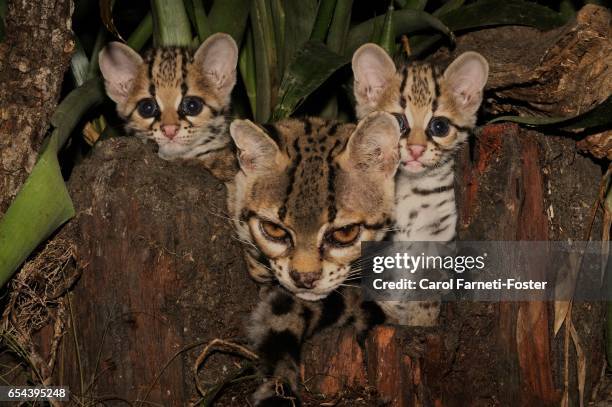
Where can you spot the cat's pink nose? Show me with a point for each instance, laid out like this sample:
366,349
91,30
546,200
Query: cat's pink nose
169,130
416,150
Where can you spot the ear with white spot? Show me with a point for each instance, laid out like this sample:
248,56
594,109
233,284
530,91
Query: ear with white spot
119,65
373,70
373,146
218,57
466,78
256,150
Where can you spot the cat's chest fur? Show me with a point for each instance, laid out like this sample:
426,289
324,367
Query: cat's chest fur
425,206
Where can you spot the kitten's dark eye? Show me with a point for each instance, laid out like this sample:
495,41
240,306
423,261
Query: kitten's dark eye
403,123
192,105
147,108
273,231
438,127
345,235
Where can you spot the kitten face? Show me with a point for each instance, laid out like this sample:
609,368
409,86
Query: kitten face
309,191
435,110
174,97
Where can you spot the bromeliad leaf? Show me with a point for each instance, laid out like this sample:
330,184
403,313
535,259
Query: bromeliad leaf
404,22
312,65
599,116
492,12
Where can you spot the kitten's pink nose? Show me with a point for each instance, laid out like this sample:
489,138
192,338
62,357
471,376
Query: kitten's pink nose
416,150
169,130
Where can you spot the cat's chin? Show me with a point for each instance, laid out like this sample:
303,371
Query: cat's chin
310,296
172,151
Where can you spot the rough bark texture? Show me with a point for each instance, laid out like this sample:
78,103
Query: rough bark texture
562,72
33,59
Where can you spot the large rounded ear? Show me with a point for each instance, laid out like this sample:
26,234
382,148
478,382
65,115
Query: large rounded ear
466,78
373,70
218,57
373,147
256,150
119,65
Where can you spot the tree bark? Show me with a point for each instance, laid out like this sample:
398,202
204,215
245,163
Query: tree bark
33,59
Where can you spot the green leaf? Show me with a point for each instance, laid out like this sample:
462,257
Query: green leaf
487,13
43,204
325,13
339,29
404,22
201,20
299,20
415,4
312,65
448,7
599,116
230,16
142,33
387,37
265,59
170,23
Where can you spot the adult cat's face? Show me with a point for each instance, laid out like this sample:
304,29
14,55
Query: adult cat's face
174,97
309,191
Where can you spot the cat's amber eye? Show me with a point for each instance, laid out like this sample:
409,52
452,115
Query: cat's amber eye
345,235
273,231
147,108
192,105
438,127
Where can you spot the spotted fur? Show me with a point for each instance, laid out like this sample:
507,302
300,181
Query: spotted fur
425,100
300,183
190,95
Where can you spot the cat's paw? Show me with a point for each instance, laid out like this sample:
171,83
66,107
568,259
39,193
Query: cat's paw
273,393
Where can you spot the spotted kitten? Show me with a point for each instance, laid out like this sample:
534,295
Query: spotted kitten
177,98
436,111
307,194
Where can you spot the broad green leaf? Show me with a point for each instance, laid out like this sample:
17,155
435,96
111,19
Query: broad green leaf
448,7
325,13
493,12
43,203
299,19
404,22
312,65
488,13
41,206
142,33
599,116
387,36
94,69
201,20
339,29
414,4
277,22
230,16
170,23
265,59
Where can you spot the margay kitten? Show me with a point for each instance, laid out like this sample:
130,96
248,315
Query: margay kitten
177,98
307,193
436,112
